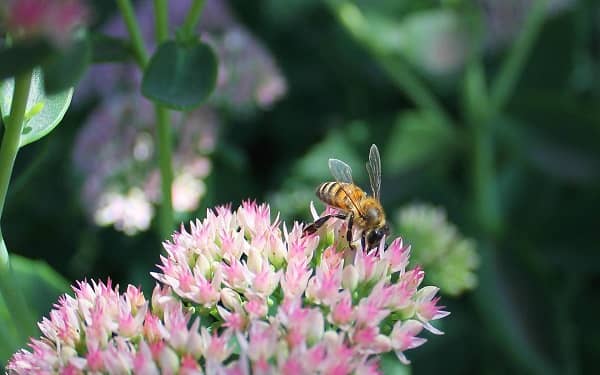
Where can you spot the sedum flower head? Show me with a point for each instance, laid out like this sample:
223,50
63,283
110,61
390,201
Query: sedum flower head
54,20
449,257
238,293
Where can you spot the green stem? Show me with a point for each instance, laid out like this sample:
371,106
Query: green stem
484,179
161,17
351,17
482,106
192,18
15,302
166,169
412,86
163,136
512,66
134,31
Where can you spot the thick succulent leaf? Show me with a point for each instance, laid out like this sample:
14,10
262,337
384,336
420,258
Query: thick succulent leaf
180,76
64,69
43,113
41,286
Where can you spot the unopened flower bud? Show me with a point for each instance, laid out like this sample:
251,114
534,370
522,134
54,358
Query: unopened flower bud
203,265
350,277
168,360
231,299
255,260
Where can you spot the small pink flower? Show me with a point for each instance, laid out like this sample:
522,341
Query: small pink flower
342,313
397,255
369,367
233,320
143,362
295,278
369,265
216,347
236,275
324,287
427,308
404,337
265,281
256,307
370,311
263,340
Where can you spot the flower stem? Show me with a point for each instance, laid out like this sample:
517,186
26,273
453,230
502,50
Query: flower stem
512,66
352,19
192,17
164,138
161,17
15,302
414,88
163,134
134,31
482,107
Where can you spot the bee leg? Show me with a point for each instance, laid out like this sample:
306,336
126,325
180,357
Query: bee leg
314,226
363,242
349,231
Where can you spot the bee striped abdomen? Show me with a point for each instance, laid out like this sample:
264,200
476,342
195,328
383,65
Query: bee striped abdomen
339,194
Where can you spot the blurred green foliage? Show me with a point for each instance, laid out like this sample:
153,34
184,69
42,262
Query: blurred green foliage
436,245
524,151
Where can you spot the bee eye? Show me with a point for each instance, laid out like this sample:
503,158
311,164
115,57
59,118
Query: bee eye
372,214
385,230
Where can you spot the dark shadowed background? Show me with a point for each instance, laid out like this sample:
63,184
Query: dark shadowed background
486,110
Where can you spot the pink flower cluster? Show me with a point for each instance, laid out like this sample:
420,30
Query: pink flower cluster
52,19
239,294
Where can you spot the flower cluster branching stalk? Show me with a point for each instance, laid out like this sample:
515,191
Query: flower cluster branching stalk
15,302
164,134
193,15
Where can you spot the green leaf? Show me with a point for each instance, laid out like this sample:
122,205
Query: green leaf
43,113
391,365
417,137
109,49
22,57
180,76
64,69
41,286
8,335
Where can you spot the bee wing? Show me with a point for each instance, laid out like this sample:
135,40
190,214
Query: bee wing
374,170
340,171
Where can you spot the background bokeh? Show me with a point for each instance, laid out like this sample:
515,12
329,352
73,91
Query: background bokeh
515,241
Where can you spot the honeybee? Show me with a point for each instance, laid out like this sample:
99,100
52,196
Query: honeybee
364,211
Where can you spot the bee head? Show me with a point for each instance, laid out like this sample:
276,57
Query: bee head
373,215
375,236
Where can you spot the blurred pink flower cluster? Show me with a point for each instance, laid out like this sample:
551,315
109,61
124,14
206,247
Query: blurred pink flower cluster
241,294
51,19
115,150
116,154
